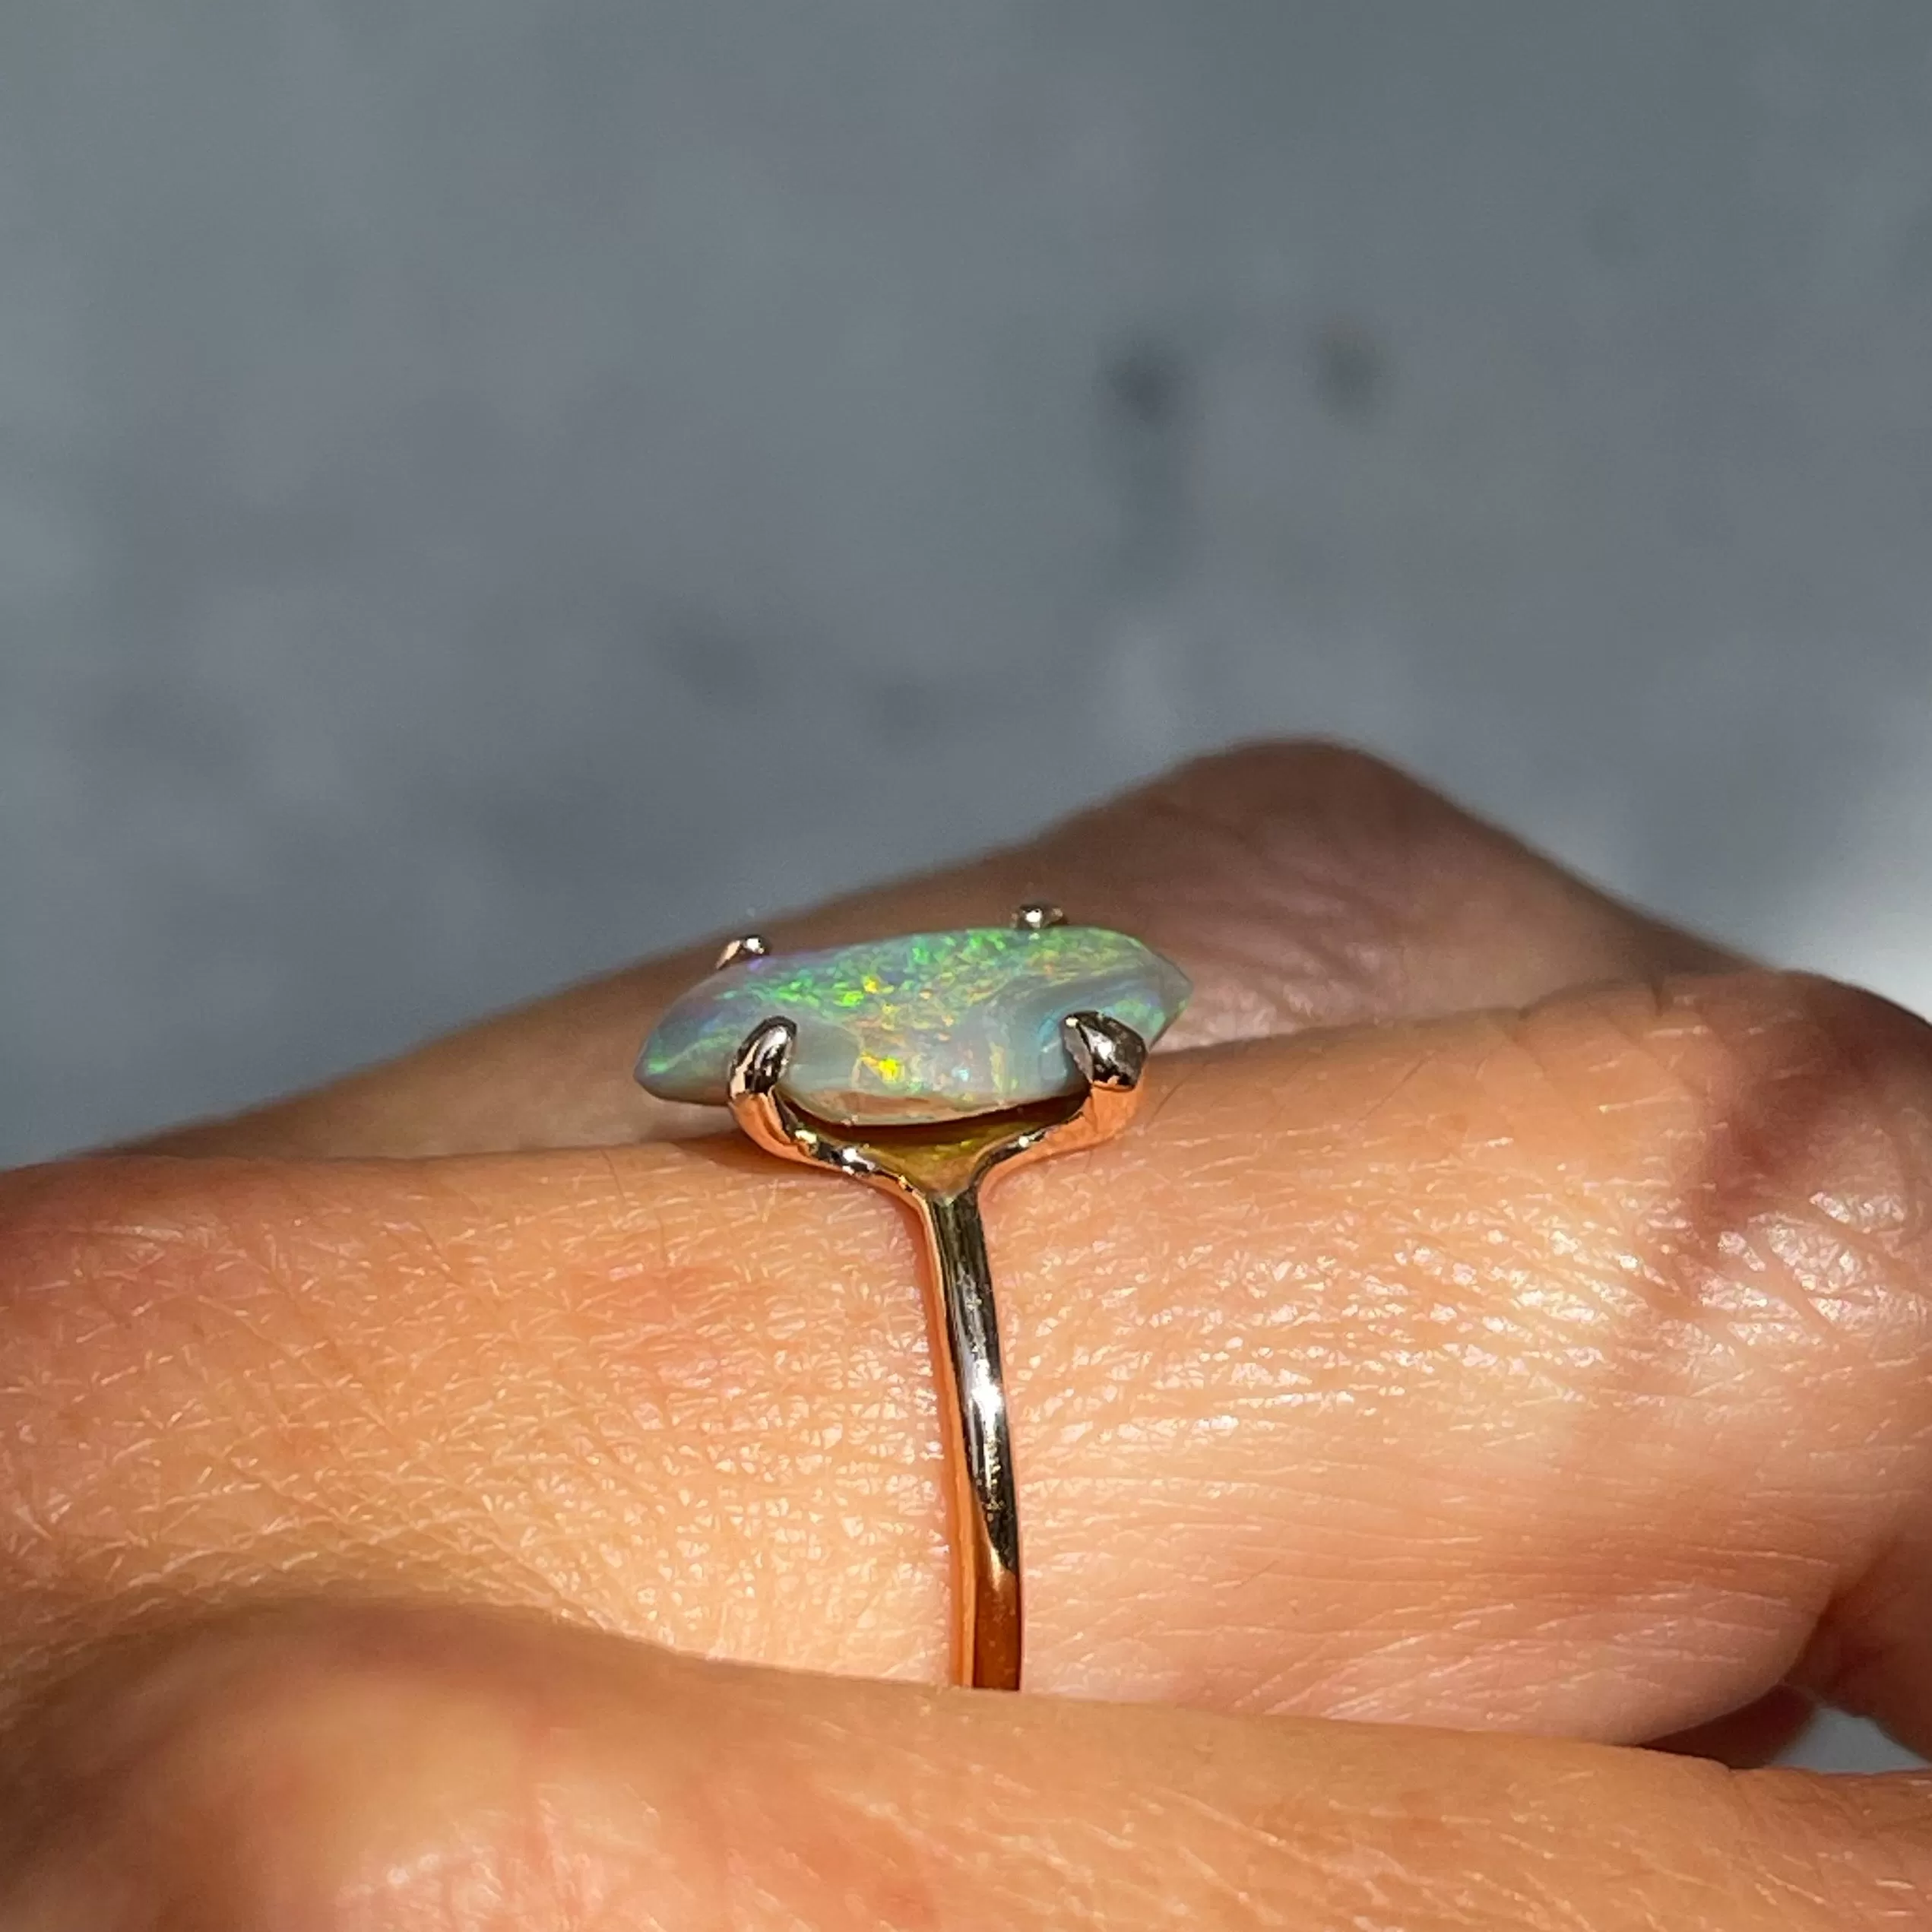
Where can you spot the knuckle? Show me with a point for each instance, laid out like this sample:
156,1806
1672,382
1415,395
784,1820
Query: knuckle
1304,778
1294,878
1796,1084
1336,851
1828,1090
1774,1133
1358,859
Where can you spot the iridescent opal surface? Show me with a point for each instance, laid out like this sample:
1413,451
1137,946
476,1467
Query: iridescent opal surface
929,1027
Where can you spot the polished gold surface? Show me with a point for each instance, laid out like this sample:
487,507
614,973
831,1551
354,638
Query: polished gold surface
1037,915
746,945
941,1171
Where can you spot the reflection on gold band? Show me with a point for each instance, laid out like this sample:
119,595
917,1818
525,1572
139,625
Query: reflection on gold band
941,1171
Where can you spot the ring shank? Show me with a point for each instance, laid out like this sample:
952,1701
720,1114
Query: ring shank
977,1438
940,1175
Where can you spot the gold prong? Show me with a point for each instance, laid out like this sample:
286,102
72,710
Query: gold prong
1037,915
751,1092
746,945
1109,1055
759,1063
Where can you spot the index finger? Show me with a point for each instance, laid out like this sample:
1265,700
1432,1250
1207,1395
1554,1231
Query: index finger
1565,1370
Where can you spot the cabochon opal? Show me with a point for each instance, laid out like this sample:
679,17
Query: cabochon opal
928,1027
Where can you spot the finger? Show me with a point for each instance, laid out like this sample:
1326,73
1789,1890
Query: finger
1565,1371
379,1770
1297,884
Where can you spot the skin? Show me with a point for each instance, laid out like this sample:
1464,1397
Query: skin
1509,1317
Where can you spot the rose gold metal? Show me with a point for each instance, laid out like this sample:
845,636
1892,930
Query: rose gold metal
940,1170
1036,915
746,945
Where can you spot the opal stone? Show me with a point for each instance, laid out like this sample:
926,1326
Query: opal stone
930,1027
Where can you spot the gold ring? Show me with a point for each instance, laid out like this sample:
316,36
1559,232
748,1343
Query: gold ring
924,1066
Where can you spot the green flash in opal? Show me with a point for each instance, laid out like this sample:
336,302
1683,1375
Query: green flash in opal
928,1027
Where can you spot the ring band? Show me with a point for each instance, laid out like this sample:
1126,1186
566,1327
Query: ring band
963,1323
924,1138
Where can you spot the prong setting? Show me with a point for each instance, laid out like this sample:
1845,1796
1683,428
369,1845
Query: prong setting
746,945
761,1061
1036,915
1110,1056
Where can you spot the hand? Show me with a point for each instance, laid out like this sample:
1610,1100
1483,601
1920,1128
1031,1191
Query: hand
1461,1337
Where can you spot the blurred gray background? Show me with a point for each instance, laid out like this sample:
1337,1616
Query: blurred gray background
487,487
